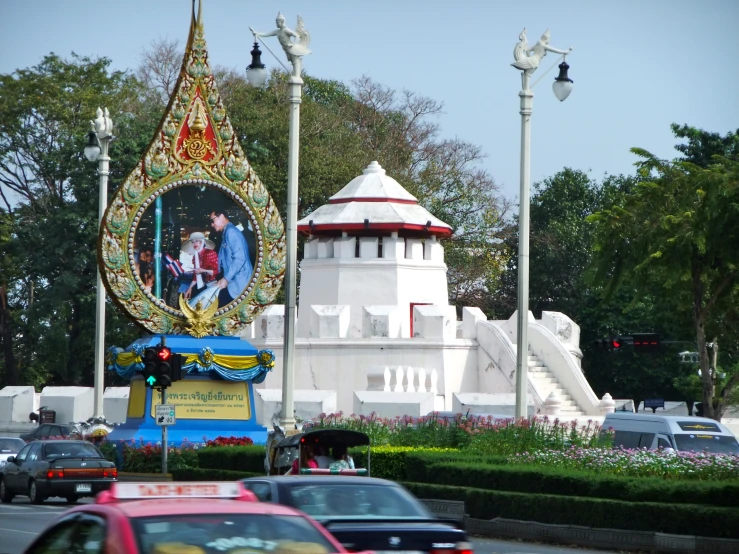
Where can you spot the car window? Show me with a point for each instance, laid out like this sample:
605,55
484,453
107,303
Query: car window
213,533
261,489
63,449
56,540
89,537
11,445
646,440
718,444
663,443
41,432
33,453
55,431
23,453
347,500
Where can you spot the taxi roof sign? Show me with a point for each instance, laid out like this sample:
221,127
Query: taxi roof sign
200,489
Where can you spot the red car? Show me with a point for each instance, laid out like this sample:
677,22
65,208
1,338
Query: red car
183,518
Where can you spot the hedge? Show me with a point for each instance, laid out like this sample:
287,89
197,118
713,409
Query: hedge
200,474
680,519
234,458
545,480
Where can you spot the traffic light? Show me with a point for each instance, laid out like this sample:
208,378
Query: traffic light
646,342
164,366
176,365
150,371
616,343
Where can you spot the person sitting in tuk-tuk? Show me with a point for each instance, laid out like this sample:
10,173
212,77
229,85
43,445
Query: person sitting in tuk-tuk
307,460
342,459
322,459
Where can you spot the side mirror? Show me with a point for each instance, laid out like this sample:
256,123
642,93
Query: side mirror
10,460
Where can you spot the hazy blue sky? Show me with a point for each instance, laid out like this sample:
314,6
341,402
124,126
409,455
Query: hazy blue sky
638,65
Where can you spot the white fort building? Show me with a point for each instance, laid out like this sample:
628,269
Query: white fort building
376,333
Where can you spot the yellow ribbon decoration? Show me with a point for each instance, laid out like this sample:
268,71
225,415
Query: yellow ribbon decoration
227,362
127,358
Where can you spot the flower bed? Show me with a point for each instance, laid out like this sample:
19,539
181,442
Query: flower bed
637,462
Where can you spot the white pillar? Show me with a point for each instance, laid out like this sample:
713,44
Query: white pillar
607,405
522,342
553,404
287,419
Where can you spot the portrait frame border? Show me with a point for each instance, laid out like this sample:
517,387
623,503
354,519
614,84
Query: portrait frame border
116,255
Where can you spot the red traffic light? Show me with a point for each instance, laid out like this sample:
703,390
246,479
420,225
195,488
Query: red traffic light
164,353
615,343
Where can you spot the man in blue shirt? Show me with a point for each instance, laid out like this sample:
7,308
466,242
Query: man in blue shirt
233,259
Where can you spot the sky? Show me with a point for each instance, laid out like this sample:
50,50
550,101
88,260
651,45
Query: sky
637,65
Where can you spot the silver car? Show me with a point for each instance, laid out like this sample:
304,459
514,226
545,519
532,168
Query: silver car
9,446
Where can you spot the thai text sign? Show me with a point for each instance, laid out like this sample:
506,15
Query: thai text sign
207,400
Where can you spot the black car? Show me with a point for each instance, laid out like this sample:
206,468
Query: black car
48,431
66,468
364,513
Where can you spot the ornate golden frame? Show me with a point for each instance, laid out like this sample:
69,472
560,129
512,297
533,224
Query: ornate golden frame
194,145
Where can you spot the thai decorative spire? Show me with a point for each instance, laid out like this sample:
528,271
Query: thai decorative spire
194,144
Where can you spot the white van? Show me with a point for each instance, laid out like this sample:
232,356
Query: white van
677,432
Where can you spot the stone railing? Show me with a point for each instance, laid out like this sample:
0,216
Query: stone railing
403,379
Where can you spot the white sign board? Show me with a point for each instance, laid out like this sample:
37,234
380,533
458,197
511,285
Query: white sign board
165,414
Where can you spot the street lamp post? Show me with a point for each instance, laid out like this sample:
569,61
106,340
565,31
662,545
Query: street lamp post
527,60
295,50
98,143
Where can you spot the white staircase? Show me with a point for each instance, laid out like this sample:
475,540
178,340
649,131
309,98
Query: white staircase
546,383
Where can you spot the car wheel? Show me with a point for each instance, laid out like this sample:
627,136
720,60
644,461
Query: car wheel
33,494
72,499
5,494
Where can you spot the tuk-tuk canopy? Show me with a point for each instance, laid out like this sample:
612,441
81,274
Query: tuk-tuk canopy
326,438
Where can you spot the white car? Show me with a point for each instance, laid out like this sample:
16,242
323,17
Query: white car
9,446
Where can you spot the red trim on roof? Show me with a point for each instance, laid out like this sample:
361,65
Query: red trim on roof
436,230
370,199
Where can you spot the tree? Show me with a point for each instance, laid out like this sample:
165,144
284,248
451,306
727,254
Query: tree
678,230
343,129
50,287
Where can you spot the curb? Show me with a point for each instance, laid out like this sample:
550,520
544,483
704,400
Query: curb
601,538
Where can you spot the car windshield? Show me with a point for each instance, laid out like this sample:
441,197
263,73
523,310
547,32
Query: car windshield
716,444
356,500
217,533
11,445
71,450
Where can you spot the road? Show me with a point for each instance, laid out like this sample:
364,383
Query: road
21,522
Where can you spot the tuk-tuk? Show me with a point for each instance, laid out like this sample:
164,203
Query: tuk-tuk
282,451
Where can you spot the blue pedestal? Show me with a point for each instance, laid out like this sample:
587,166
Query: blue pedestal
203,392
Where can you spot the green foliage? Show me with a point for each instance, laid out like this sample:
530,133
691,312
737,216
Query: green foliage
569,482
44,120
210,474
233,458
390,462
664,517
676,232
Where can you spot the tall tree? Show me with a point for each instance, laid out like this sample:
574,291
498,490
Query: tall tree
678,230
44,118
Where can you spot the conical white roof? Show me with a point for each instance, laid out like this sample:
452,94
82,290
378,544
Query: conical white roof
373,201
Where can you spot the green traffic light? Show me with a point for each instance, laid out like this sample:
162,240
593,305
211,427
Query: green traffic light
151,380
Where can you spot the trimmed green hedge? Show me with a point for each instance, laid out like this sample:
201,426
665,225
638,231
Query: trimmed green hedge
680,519
200,474
234,458
545,480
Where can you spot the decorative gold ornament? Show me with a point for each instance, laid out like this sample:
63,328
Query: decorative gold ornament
194,149
199,319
